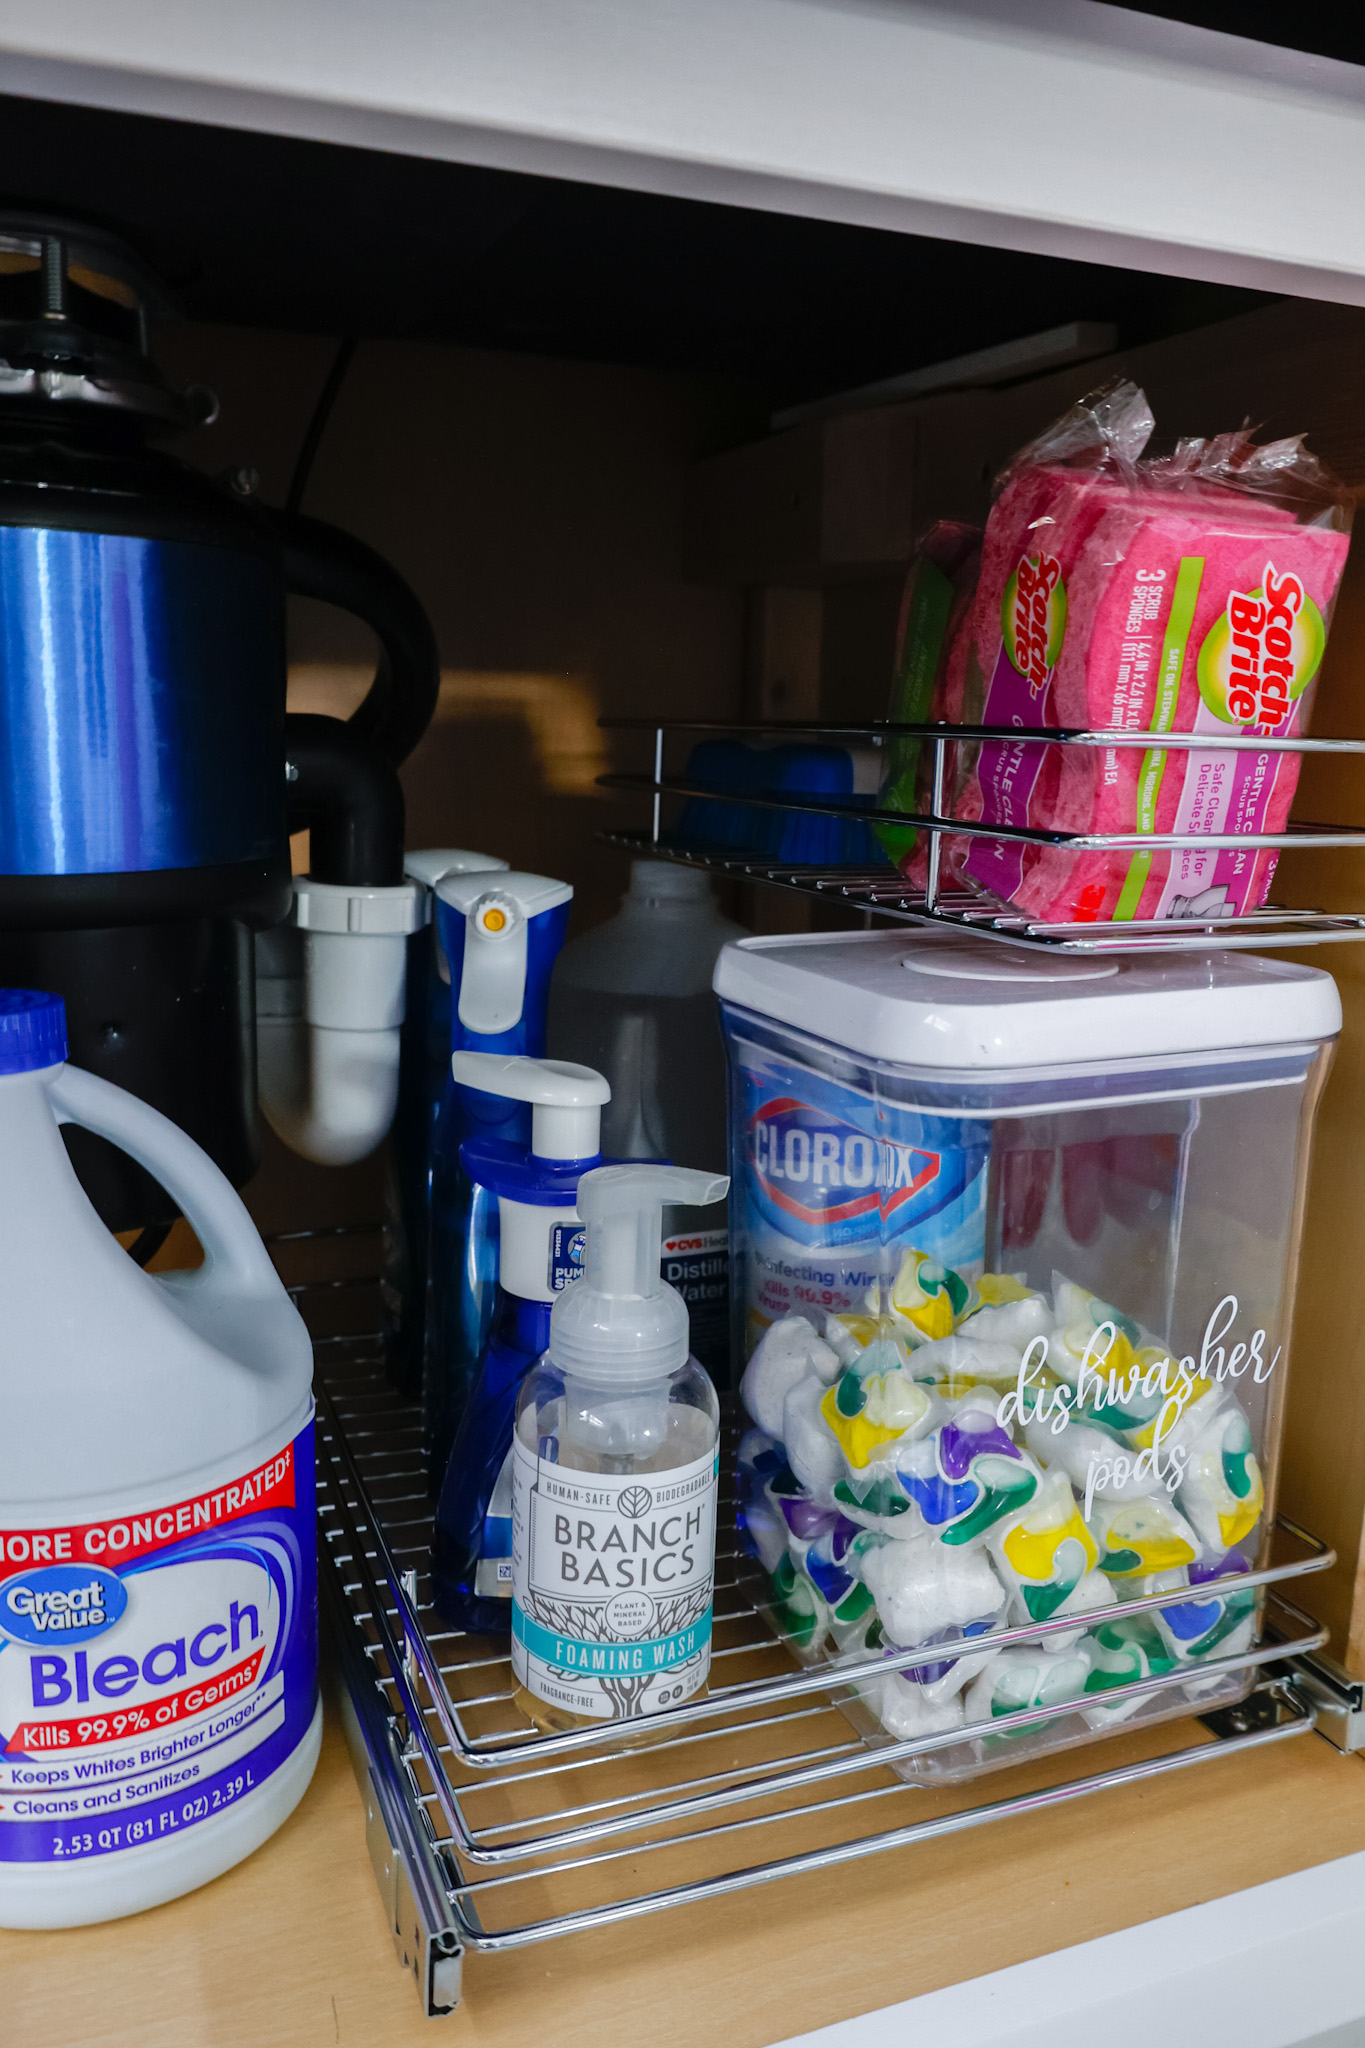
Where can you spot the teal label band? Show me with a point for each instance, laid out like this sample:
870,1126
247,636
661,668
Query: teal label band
611,1659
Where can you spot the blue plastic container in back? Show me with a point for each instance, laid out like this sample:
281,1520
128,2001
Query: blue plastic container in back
799,839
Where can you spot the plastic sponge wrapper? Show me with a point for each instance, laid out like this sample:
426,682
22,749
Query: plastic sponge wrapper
1191,594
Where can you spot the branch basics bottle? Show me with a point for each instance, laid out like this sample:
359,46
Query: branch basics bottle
615,1462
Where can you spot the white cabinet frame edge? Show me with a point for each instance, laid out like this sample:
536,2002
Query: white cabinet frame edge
1273,1966
1059,126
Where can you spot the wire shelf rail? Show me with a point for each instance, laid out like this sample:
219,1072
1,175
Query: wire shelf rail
882,891
489,1835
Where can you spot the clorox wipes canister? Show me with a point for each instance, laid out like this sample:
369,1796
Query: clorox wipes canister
159,1711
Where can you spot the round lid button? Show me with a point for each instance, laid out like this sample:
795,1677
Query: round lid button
1010,966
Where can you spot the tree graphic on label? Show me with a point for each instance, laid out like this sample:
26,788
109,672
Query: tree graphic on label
585,1621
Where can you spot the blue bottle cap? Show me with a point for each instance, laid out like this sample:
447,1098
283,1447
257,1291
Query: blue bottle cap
32,1030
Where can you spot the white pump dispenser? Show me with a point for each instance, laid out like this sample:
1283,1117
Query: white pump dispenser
624,1325
614,1469
566,1100
566,1116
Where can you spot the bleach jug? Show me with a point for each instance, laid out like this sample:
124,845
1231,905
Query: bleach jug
159,1711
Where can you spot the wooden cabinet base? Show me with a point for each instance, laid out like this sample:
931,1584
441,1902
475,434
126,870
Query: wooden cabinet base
291,1949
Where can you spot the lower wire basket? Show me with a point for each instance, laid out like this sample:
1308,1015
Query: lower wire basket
488,1835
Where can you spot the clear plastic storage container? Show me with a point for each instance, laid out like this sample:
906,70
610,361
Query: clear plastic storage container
1014,1239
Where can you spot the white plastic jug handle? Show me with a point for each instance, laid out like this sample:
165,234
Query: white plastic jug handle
235,1260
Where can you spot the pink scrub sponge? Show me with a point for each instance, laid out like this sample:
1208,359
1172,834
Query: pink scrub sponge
1191,594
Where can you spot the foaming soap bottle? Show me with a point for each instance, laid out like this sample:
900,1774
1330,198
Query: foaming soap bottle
159,1711
540,1253
614,1469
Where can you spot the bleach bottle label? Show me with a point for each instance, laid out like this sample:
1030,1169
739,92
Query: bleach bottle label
832,1184
158,1666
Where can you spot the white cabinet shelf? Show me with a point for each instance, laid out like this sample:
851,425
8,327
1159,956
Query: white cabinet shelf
1061,127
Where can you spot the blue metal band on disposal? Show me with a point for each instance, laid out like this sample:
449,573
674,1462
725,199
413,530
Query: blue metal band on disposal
141,704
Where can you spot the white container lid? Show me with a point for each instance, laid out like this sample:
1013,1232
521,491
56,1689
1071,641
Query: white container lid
943,1000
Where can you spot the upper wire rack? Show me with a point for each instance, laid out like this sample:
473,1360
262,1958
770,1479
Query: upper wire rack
880,890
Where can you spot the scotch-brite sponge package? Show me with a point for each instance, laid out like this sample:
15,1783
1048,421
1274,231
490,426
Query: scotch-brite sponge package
1187,594
928,684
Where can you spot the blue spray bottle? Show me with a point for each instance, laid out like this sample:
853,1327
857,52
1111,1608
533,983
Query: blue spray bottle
501,935
540,1253
424,1051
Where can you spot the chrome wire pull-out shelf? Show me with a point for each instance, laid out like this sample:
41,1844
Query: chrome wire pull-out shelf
880,890
515,1837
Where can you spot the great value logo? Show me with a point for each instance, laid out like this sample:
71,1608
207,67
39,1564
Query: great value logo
1262,653
60,1601
822,1173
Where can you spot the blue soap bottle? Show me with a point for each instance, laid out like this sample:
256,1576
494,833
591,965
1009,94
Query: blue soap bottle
501,936
424,1049
540,1254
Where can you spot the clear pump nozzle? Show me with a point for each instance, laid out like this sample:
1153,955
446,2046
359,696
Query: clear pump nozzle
623,1322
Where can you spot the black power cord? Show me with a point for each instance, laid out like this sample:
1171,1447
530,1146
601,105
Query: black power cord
317,425
148,1242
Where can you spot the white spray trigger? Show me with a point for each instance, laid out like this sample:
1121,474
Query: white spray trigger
566,1114
498,911
622,1322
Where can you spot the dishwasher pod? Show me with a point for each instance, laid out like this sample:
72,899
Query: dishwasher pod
1014,1247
